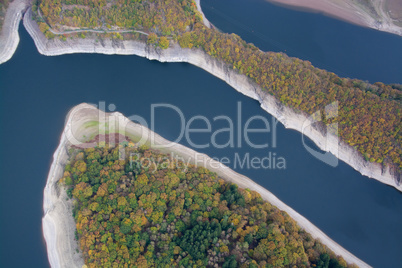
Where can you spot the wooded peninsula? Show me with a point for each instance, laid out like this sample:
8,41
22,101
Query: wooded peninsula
156,211
369,115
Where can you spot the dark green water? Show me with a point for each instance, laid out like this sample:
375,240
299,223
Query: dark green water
36,92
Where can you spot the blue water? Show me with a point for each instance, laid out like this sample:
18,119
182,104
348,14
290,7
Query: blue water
362,215
345,49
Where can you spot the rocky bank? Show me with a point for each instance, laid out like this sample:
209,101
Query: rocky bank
58,224
287,116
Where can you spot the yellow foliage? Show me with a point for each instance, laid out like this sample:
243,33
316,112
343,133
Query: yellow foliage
224,249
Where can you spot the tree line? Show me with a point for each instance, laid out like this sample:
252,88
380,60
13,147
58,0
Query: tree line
369,115
172,215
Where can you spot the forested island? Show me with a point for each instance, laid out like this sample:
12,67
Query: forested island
369,115
173,214
119,210
112,201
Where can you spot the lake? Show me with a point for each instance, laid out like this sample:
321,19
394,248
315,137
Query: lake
362,215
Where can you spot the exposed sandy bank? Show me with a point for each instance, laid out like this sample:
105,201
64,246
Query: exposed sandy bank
342,9
241,83
9,37
205,20
58,223
80,127
326,7
376,17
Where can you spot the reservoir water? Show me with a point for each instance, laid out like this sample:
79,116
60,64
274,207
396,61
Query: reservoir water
36,93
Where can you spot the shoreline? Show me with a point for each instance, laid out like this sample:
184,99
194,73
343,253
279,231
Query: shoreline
287,116
58,225
349,12
204,19
325,7
9,37
60,245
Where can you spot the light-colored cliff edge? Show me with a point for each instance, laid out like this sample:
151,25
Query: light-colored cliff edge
342,9
241,83
9,37
58,224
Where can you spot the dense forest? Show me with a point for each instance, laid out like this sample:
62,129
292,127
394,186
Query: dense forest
369,115
162,17
175,215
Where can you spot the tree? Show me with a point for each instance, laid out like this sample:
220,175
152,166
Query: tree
171,218
152,38
323,262
125,226
230,262
163,42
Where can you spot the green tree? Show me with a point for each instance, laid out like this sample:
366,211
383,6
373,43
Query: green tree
230,262
152,38
163,42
